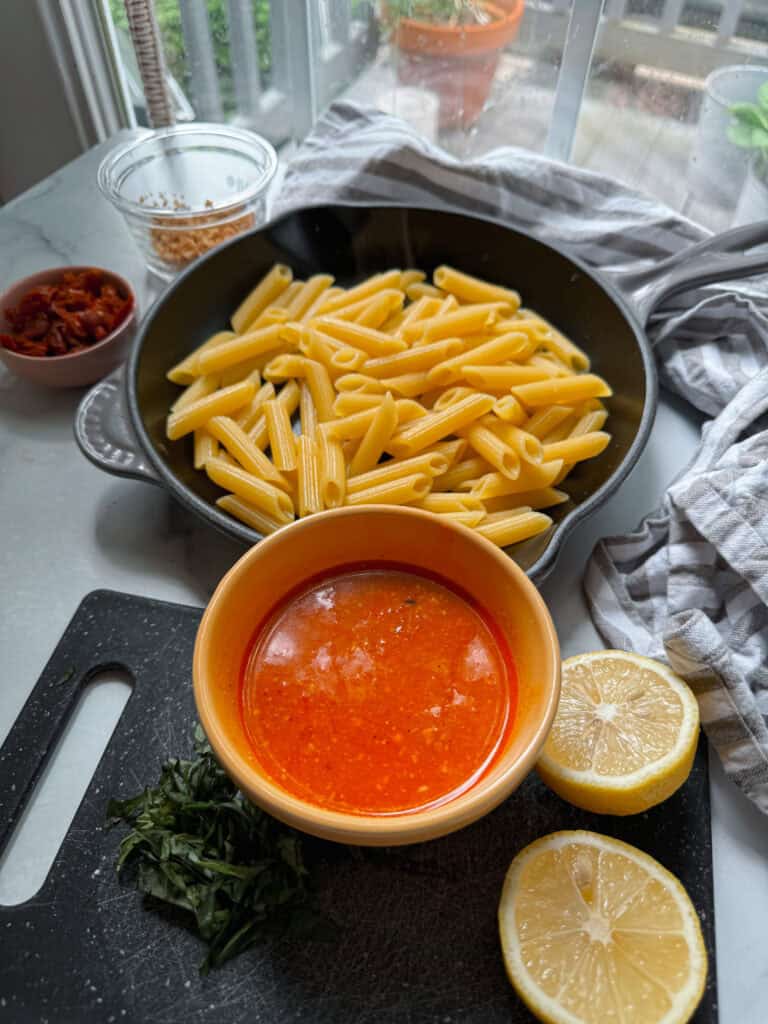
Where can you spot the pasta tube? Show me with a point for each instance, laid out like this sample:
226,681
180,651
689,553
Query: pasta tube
375,439
494,450
249,514
562,390
530,478
244,451
377,283
308,477
186,371
266,497
246,346
219,403
370,341
576,449
473,289
506,346
307,295
206,446
426,430
266,291
282,443
404,490
201,387
431,464
332,470
505,528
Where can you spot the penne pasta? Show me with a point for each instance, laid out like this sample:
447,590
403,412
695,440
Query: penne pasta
494,449
372,342
473,289
545,497
378,309
510,410
307,411
544,421
186,371
249,514
505,528
431,464
409,277
308,295
576,449
375,439
332,470
405,490
354,401
422,290
219,403
376,283
206,447
451,502
449,396
468,470
242,449
589,422
289,397
414,360
500,379
470,519
464,320
530,478
241,348
282,442
263,495
506,346
308,477
562,390
407,384
528,447
249,414
269,288
201,387
360,383
434,426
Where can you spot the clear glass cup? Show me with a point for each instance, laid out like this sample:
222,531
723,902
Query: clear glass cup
186,189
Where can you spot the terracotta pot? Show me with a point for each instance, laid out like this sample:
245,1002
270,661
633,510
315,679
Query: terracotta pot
458,63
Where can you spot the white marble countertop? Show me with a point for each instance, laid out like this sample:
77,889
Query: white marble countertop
69,528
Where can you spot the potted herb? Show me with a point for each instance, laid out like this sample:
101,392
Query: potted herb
749,131
452,48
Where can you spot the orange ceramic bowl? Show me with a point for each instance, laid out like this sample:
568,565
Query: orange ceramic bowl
318,544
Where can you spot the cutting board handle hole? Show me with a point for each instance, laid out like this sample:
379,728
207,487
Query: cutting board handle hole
53,803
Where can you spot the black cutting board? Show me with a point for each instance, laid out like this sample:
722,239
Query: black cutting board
417,936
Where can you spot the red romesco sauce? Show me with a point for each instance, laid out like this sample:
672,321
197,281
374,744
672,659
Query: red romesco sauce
377,690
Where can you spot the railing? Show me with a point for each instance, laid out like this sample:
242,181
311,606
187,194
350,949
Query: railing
317,48
611,30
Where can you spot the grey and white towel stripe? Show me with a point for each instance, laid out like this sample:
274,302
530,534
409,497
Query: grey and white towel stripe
690,586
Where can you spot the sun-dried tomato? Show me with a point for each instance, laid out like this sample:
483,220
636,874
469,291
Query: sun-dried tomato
54,320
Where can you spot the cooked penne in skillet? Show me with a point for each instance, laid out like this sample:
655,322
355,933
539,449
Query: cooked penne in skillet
445,395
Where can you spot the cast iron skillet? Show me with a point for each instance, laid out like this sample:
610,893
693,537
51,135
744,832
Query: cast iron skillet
353,241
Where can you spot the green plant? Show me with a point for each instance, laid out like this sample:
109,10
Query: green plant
749,129
450,12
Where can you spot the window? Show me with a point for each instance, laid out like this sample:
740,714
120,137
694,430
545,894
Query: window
620,87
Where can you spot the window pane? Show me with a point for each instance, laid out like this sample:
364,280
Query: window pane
655,113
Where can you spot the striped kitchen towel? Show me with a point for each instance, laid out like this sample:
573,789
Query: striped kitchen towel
690,586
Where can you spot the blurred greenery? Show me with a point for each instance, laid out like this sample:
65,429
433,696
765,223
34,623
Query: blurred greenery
169,20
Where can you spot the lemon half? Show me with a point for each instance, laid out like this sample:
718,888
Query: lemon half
624,736
594,931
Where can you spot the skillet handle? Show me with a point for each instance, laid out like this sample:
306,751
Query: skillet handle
104,435
719,258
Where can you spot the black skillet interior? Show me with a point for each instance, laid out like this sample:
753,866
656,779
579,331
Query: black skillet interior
351,243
